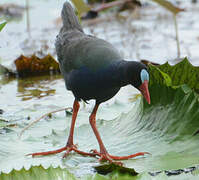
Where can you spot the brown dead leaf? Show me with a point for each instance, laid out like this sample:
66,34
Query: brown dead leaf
169,6
28,66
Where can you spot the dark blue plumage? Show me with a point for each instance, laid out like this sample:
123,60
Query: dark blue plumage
93,69
87,84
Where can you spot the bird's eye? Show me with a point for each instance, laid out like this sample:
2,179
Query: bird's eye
144,75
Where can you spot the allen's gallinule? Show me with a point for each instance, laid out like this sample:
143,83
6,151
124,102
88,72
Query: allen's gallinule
93,69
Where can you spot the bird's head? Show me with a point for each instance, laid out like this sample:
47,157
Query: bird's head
138,76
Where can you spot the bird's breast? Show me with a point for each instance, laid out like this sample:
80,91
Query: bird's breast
86,84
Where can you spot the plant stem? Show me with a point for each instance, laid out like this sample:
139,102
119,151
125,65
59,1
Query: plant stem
28,18
177,35
43,116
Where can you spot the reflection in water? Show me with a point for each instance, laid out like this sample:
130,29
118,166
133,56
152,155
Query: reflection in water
36,87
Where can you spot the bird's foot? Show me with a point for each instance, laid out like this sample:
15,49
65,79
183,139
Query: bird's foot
107,157
67,148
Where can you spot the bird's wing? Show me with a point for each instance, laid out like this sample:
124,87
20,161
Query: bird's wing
85,51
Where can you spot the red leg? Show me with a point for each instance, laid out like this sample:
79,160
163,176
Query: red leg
103,152
69,146
74,116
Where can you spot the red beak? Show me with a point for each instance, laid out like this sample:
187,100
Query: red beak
145,91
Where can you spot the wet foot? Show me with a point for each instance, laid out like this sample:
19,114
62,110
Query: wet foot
111,159
67,148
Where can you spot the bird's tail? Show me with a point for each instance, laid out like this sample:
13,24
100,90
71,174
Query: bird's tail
70,20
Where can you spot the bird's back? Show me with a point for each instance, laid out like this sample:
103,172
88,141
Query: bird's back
76,49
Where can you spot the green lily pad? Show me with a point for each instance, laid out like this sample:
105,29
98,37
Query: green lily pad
38,172
182,73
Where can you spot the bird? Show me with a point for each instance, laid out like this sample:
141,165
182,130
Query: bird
92,68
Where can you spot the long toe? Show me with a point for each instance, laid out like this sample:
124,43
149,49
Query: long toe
67,148
107,157
92,154
128,157
95,152
114,159
47,152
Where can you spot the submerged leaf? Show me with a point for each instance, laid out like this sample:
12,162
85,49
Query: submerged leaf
108,168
